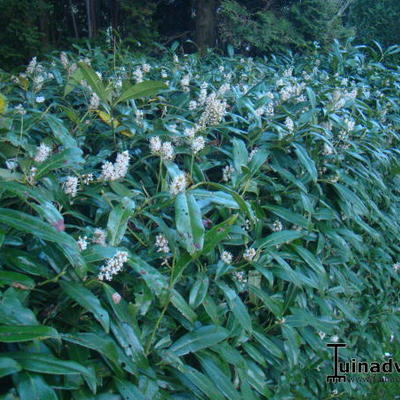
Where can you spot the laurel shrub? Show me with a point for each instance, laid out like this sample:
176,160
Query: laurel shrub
197,227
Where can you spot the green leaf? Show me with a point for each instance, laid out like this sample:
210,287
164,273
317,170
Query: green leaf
220,198
218,233
237,307
221,381
39,229
8,366
74,80
88,301
288,215
351,199
201,338
278,238
118,220
268,344
16,279
12,312
189,223
182,306
48,364
156,282
142,89
310,259
68,158
24,333
291,344
94,81
201,381
199,290
240,154
272,304
306,160
128,390
100,343
60,132
34,387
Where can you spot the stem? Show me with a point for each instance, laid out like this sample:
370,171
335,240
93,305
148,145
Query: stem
170,287
159,175
191,167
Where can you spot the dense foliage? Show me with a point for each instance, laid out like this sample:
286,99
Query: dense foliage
201,234
296,26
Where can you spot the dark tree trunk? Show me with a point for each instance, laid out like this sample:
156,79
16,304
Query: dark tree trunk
205,23
115,14
73,20
91,17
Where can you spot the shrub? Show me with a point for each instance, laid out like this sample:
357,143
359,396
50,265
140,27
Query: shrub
201,234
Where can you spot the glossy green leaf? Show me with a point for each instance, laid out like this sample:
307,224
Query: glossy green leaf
189,222
118,220
201,338
142,89
24,333
88,301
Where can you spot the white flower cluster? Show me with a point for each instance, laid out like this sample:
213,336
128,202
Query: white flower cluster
226,257
82,243
249,254
162,244
146,68
192,105
203,94
328,149
64,60
322,335
165,150
42,153
87,178
32,175
334,338
240,276
139,115
31,66
71,186
138,75
252,154
227,173
113,266
112,172
340,97
277,226
20,109
185,82
12,164
291,90
178,184
396,267
94,102
214,111
349,124
99,237
289,124
223,89
198,144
